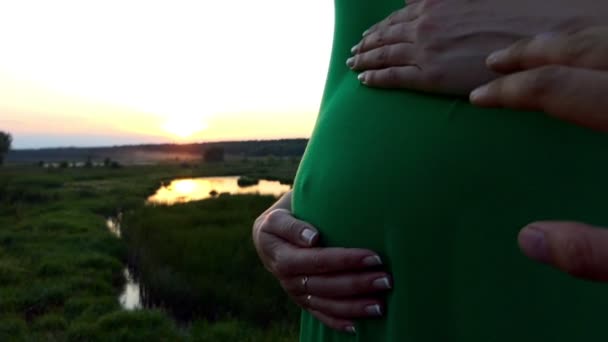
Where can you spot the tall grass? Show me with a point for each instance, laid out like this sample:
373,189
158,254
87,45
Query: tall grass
198,259
61,270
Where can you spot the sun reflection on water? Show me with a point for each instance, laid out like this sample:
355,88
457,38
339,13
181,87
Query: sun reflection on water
194,189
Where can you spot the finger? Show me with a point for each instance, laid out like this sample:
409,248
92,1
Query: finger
290,262
410,77
343,309
338,285
586,49
281,223
576,248
575,95
334,323
383,57
409,13
398,33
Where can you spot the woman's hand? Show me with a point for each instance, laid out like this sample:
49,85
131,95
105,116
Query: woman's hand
441,46
564,75
335,284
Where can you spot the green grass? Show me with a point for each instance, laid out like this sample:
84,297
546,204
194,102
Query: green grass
61,270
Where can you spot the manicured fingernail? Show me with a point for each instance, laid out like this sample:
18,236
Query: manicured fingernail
478,94
361,77
354,49
533,242
382,283
366,32
350,329
373,260
308,235
496,57
350,62
373,310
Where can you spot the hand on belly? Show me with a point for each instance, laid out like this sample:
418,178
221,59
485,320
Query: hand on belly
441,46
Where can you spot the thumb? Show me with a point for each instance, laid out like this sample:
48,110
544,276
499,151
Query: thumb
575,248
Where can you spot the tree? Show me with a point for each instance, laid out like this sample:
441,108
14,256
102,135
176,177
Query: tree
6,141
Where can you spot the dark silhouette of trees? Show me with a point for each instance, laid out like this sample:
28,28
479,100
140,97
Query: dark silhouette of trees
6,141
213,154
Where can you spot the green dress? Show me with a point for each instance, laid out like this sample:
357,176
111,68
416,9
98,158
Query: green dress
440,190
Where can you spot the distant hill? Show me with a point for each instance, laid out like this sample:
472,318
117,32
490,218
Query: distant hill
142,154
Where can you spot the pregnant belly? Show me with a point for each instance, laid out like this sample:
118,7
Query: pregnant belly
440,190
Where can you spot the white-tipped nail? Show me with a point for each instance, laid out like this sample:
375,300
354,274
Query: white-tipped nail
350,62
361,77
372,261
308,235
365,33
373,310
478,94
351,330
354,49
382,283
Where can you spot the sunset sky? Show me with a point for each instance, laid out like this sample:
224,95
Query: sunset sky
109,72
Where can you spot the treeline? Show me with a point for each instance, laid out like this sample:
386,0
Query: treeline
252,148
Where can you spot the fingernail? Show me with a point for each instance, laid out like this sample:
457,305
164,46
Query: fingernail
533,242
350,62
308,235
373,260
366,32
354,49
382,283
361,78
350,329
373,310
478,94
496,57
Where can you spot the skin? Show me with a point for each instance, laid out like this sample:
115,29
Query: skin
566,76
440,46
436,46
341,282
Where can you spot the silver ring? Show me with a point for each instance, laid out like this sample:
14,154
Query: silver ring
305,283
308,298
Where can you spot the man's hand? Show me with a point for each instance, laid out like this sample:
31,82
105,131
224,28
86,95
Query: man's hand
440,46
564,75
578,249
336,285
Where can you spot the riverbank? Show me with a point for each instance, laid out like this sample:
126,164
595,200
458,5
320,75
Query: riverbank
61,271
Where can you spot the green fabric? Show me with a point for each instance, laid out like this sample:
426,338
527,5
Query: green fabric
440,190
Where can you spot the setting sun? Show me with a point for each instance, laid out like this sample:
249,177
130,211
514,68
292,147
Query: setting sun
184,127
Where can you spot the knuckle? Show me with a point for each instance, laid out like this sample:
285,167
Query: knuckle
319,264
578,48
274,217
382,56
541,82
391,76
426,25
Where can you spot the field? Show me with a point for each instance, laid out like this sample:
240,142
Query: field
61,271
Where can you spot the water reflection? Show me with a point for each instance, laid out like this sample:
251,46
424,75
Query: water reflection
130,298
113,226
187,190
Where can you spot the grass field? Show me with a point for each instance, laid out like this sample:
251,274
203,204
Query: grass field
61,270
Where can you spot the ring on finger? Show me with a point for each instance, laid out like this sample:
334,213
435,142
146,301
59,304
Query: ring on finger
308,299
305,284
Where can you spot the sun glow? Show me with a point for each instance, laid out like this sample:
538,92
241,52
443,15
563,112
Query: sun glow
183,127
